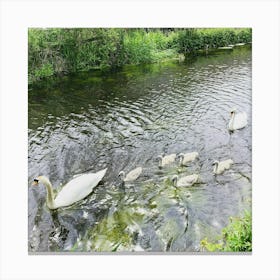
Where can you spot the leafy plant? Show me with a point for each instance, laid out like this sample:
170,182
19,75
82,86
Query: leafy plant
236,237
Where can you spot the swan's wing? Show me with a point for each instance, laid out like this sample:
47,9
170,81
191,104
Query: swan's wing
186,181
193,178
78,188
190,156
240,120
134,174
183,182
228,162
168,159
173,156
241,116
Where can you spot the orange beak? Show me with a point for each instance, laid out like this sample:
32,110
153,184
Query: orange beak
35,183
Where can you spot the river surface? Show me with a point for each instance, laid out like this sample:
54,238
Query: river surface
85,122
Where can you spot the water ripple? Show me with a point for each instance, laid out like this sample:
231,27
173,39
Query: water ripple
127,123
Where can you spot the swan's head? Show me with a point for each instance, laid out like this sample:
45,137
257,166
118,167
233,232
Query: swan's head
40,179
35,182
121,175
215,164
233,111
174,180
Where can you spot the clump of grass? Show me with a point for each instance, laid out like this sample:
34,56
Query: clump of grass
236,237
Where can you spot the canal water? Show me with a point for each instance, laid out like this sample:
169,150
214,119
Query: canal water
85,122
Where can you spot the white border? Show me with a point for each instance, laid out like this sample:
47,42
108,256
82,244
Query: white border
17,16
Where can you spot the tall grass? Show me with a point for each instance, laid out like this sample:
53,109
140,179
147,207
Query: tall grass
146,47
191,40
66,50
54,51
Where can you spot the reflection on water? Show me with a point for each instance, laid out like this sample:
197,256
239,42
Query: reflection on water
86,122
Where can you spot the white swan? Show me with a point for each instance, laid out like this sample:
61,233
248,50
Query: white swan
188,157
220,167
237,121
75,190
186,181
132,175
165,160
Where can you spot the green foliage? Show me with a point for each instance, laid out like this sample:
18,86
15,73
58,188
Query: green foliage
236,237
70,50
45,71
146,47
190,39
138,47
65,50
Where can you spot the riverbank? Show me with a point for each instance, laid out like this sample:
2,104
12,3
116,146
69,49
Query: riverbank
55,51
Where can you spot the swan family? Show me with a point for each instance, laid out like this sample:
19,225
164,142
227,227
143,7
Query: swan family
82,185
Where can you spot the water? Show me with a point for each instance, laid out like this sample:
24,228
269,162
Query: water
86,122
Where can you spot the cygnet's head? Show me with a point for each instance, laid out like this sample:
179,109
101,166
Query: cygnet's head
174,180
180,157
121,175
159,157
215,164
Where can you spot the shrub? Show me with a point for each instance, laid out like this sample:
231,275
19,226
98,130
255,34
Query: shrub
191,39
236,237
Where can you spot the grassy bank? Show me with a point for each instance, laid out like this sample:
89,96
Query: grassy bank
236,237
55,51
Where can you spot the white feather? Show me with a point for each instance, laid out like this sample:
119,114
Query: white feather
75,190
237,121
165,160
221,166
188,157
185,181
132,175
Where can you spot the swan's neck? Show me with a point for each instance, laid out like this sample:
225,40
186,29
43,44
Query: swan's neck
50,195
160,162
232,120
122,175
216,167
181,160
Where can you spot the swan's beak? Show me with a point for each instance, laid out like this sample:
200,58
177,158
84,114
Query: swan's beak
35,182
